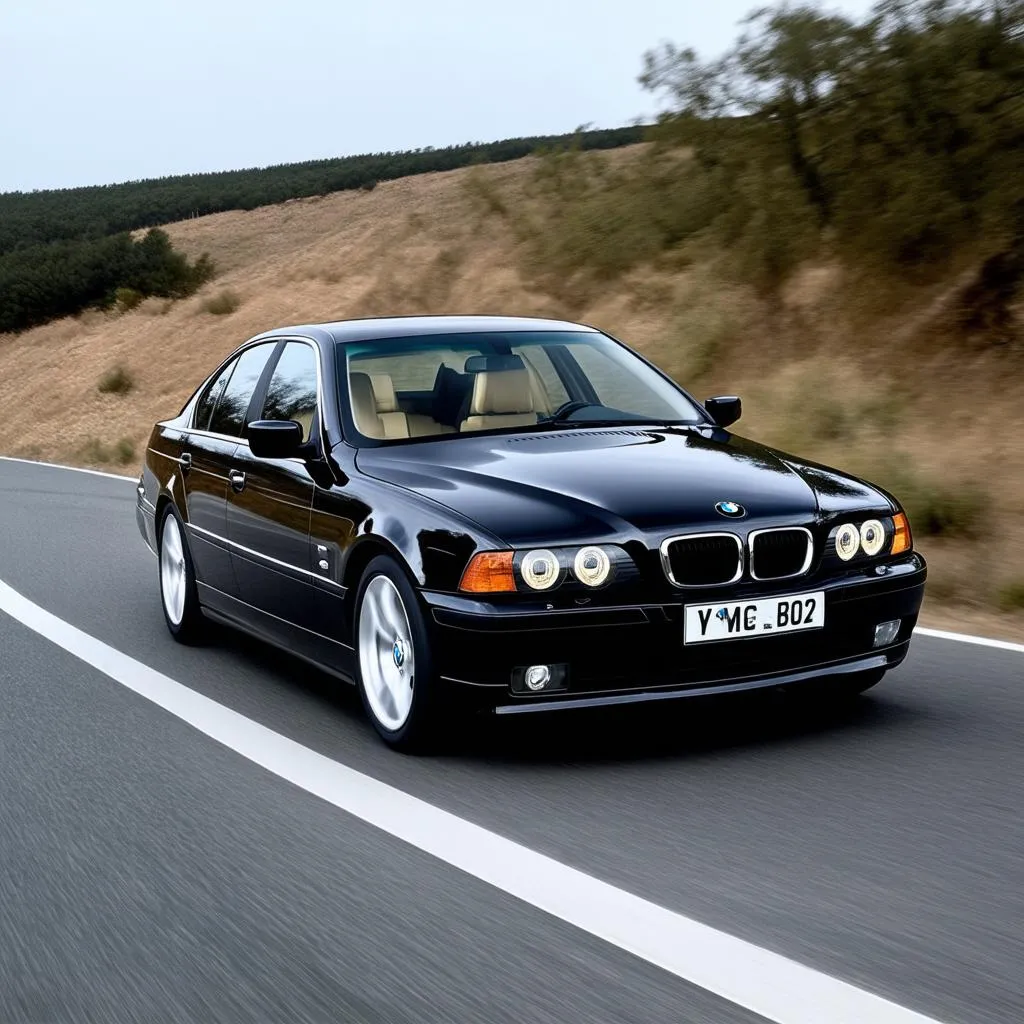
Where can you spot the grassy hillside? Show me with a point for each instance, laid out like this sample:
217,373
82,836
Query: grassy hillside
828,367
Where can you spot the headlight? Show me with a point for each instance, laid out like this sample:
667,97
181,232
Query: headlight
573,569
592,566
872,537
540,569
847,541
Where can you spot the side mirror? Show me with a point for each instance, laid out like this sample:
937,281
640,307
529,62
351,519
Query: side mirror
724,410
274,439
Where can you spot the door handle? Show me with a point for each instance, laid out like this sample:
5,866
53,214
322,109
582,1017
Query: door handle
237,478
185,461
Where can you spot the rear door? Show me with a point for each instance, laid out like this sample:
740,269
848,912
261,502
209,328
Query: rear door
269,500
207,458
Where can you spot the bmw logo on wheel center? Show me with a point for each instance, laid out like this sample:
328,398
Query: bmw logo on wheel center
731,509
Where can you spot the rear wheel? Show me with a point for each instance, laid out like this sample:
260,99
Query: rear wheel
178,592
393,656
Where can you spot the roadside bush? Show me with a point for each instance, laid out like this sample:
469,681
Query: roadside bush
116,381
127,299
124,450
94,450
952,509
222,303
1011,597
484,192
45,282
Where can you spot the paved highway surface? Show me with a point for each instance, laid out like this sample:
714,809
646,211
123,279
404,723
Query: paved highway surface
148,872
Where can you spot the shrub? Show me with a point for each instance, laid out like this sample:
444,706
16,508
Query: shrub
124,451
937,509
1011,597
223,303
116,381
94,450
484,192
127,298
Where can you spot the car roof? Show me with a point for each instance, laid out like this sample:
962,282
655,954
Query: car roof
370,328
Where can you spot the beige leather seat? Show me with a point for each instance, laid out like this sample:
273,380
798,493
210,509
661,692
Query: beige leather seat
305,420
501,398
541,399
391,415
364,411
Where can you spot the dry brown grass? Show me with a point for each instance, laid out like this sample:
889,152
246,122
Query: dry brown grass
822,371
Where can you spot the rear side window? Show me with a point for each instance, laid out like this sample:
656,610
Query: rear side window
208,402
229,414
291,393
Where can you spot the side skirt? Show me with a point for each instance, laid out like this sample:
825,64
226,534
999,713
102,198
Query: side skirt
330,656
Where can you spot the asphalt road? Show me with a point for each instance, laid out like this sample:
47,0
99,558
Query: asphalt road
149,873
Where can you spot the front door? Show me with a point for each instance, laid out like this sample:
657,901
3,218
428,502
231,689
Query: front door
269,500
207,459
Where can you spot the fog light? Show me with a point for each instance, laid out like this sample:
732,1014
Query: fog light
537,677
885,632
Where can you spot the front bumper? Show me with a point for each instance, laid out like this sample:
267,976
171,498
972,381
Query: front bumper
623,654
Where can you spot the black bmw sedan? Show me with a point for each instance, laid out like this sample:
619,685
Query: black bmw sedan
513,515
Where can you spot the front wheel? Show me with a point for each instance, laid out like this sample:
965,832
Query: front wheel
178,592
395,670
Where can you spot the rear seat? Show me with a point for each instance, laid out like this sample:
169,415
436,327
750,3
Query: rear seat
396,422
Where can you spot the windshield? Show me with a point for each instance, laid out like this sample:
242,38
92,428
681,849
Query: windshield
442,384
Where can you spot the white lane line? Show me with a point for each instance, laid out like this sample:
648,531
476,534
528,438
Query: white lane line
965,638
740,972
70,469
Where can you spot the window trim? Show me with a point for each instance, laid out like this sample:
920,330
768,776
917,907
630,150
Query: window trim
274,345
353,437
259,396
278,341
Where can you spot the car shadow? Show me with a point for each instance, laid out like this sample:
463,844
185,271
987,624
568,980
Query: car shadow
682,729
671,729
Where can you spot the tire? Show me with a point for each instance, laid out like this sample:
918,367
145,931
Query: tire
179,595
394,662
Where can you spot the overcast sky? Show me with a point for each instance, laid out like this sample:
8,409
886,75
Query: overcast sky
114,90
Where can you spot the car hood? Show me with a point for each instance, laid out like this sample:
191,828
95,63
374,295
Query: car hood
613,482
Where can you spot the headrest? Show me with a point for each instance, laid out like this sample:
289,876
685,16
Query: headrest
492,364
364,405
384,392
501,393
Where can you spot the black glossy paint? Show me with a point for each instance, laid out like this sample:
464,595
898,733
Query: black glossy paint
279,544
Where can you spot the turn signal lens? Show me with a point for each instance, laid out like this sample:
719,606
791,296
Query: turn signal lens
489,572
901,538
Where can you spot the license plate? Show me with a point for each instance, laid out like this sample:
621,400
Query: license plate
739,620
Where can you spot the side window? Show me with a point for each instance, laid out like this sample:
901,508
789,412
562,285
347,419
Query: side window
208,400
229,415
291,394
